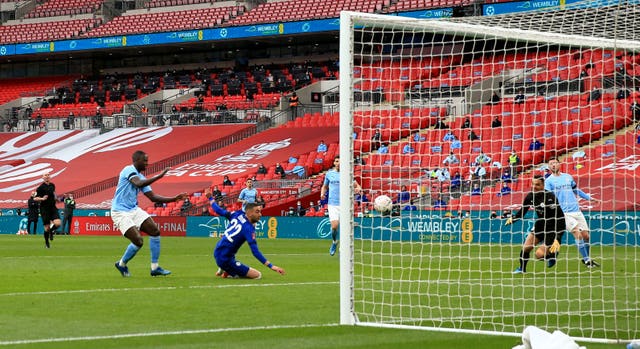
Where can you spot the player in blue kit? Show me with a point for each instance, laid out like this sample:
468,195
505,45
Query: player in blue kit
566,189
331,186
241,229
131,219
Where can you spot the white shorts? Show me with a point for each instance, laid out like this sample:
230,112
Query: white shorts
576,219
334,212
125,220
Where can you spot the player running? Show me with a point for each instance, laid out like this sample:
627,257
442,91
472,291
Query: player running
548,228
46,195
566,189
130,219
241,229
331,188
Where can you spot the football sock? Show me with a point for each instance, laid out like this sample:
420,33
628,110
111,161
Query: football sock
524,259
583,249
587,247
154,246
129,253
334,234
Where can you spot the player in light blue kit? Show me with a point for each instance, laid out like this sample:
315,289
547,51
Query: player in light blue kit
566,189
248,194
331,186
241,229
130,219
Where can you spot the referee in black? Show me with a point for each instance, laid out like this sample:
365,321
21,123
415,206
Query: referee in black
548,228
46,195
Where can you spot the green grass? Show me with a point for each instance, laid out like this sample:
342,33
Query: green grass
71,296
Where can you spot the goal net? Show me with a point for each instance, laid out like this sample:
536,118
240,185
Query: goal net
452,119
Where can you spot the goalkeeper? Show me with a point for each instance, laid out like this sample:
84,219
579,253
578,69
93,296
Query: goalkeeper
548,228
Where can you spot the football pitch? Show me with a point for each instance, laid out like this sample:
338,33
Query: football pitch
71,296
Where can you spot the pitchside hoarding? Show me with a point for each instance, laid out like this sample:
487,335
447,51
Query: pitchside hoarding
427,227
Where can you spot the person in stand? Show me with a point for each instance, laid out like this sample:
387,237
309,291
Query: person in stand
217,194
241,229
130,219
32,214
495,99
535,144
69,206
520,97
261,169
548,228
280,170
294,102
226,182
46,196
440,124
496,122
300,211
322,147
376,139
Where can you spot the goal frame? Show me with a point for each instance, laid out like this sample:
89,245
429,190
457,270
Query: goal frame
348,21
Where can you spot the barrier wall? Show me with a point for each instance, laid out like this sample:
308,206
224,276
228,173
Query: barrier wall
607,228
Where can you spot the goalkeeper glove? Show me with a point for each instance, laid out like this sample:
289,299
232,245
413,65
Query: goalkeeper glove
555,247
509,221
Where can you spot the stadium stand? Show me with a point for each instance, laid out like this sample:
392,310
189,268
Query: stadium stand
165,21
58,8
283,11
45,31
411,5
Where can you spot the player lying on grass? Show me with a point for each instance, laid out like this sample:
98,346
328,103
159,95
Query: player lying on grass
241,228
548,228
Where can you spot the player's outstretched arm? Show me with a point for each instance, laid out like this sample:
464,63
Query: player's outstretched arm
140,183
275,268
159,198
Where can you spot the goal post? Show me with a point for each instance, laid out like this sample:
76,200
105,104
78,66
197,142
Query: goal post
562,84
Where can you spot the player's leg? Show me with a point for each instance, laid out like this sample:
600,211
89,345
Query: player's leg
576,222
47,225
151,228
527,246
124,222
253,274
583,231
56,223
585,234
334,218
543,250
235,269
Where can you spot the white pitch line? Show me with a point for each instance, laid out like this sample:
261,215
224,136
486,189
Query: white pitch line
153,334
99,290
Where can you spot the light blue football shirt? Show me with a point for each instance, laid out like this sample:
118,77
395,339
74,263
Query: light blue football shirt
565,189
126,197
249,195
332,180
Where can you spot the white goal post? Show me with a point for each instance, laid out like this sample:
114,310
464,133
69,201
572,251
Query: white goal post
441,260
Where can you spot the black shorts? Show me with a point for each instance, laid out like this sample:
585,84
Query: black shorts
49,215
547,231
548,237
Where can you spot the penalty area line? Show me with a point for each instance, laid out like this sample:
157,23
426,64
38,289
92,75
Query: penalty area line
155,334
167,288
